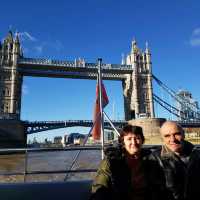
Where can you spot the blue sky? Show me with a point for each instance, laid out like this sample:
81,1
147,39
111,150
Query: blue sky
69,29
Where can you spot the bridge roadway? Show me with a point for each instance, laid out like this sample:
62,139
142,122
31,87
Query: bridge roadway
39,126
70,69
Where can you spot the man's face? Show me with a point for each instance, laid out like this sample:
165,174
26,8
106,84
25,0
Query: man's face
133,143
172,136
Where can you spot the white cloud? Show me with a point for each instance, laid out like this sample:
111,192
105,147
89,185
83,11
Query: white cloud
195,42
195,38
56,46
196,32
27,36
32,44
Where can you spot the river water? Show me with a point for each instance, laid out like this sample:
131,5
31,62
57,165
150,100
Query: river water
48,161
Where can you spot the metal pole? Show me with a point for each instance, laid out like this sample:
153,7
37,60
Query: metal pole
78,153
101,106
25,165
116,131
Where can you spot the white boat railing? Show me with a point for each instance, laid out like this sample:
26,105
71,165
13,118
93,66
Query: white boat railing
26,151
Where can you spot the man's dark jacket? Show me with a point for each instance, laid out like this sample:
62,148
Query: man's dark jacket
182,177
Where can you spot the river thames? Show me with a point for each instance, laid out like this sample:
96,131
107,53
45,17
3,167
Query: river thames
47,161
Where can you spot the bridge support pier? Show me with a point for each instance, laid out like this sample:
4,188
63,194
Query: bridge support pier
150,128
12,134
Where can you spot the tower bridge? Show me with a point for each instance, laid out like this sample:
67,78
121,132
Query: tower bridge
135,73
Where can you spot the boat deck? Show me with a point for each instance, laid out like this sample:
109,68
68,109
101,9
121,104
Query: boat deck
71,190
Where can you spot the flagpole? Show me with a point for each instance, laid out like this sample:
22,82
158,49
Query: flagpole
101,106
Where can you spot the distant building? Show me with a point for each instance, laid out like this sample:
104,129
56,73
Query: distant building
57,140
75,138
34,143
79,141
189,108
64,140
110,135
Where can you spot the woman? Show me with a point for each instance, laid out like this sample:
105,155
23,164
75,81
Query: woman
123,173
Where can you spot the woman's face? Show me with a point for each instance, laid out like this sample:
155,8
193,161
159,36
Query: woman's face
133,143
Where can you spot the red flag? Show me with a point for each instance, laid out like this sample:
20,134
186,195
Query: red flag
96,132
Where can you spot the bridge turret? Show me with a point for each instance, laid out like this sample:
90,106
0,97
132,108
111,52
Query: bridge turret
10,50
147,50
17,51
7,45
134,48
138,96
11,80
149,79
133,56
148,58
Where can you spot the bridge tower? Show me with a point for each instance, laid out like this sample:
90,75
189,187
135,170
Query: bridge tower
10,79
137,87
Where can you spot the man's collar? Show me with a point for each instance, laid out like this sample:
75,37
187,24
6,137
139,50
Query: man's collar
166,152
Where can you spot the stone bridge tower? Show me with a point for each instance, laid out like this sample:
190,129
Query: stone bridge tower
10,79
137,88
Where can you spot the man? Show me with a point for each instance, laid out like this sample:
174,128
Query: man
180,162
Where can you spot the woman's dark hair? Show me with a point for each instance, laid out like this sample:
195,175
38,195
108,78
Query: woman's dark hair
137,130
